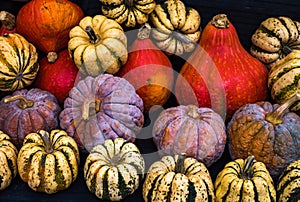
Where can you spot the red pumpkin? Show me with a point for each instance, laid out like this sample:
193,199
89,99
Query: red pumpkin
8,23
221,74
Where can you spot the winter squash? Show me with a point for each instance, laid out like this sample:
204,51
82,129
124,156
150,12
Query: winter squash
245,180
288,183
48,161
177,27
275,38
98,45
267,131
284,77
100,108
219,70
8,161
8,23
149,70
18,62
198,132
129,13
177,178
47,23
27,111
113,170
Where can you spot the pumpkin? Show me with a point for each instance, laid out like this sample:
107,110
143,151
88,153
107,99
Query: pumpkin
129,13
98,45
100,108
177,27
8,21
113,170
177,178
267,131
47,23
284,77
244,180
27,111
8,161
288,183
275,38
48,161
149,70
219,70
198,132
18,62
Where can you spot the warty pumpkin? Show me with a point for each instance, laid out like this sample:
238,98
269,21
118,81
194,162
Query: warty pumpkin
27,111
8,161
48,161
98,45
113,170
268,131
245,180
197,131
129,13
177,27
100,108
18,62
7,22
177,178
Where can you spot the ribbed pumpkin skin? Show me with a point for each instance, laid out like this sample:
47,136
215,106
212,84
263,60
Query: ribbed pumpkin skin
17,122
163,184
288,186
8,161
18,62
113,170
45,171
198,132
231,186
249,133
113,110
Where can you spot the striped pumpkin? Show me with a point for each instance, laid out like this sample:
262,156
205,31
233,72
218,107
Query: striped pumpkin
284,77
8,161
176,178
113,170
288,186
48,161
245,180
18,62
275,38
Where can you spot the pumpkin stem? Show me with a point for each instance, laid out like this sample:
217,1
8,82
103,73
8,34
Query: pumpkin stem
144,32
115,160
93,37
90,107
23,101
248,164
287,50
193,111
52,57
8,20
179,167
220,21
275,117
46,139
129,3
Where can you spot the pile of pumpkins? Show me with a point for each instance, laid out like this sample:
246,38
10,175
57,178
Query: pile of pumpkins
225,96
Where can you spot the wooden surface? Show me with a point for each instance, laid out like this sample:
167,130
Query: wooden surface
246,15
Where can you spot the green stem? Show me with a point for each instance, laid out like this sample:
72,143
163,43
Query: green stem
23,101
179,167
92,35
247,167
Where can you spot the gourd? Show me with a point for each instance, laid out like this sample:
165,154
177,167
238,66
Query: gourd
176,27
48,161
113,170
98,45
275,38
27,111
8,161
18,62
197,131
149,70
8,23
268,131
219,70
177,178
129,13
100,108
244,180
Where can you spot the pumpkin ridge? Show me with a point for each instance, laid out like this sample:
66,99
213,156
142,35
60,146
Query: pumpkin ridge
67,157
59,177
41,172
290,179
288,88
282,73
287,28
113,53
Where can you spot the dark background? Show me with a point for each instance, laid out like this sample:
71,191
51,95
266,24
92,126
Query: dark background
245,15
